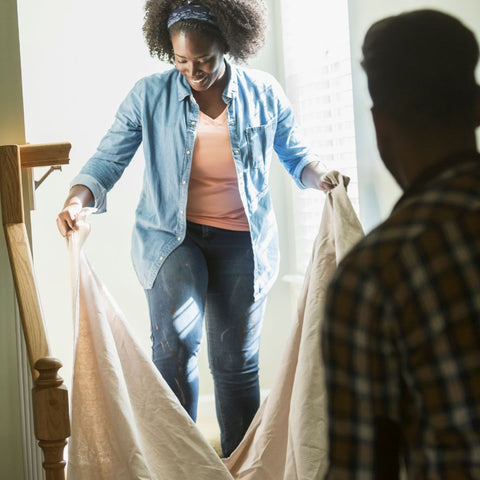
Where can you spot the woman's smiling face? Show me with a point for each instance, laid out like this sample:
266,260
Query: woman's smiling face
199,59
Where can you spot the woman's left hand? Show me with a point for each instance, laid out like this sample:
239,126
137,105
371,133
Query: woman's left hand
314,176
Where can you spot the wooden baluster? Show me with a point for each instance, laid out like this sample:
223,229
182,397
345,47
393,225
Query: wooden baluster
51,416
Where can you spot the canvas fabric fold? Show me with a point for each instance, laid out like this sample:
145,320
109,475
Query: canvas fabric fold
288,437
126,422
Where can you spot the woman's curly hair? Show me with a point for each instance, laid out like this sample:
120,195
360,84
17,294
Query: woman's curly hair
241,26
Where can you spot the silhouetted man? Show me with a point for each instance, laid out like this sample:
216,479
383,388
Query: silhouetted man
401,339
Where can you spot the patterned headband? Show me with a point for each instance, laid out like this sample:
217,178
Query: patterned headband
188,12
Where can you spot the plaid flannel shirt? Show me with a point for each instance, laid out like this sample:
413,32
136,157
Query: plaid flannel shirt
401,337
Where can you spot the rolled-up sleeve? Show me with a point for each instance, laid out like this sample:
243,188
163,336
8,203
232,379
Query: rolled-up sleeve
115,150
289,143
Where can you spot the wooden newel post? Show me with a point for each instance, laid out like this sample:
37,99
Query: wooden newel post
51,416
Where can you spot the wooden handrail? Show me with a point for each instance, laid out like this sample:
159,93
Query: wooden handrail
50,397
44,154
26,288
12,158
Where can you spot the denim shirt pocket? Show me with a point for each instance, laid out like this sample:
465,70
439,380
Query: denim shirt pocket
256,165
260,144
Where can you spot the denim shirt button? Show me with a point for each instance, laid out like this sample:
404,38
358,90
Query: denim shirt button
179,239
188,152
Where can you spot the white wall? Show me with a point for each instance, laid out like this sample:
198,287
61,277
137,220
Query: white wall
79,60
11,132
378,191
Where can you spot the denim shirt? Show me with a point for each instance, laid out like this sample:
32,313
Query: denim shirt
161,113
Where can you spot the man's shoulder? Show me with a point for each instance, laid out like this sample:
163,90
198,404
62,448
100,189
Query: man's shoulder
380,250
377,247
415,218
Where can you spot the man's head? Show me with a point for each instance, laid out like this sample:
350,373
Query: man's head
420,67
421,77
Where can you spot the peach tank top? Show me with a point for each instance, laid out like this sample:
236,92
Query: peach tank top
213,196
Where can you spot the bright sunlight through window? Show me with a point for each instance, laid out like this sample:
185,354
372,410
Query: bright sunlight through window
319,85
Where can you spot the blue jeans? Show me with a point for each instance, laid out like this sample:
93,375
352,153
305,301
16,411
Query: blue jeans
210,275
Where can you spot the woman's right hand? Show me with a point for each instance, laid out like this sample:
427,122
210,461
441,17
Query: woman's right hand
78,197
67,219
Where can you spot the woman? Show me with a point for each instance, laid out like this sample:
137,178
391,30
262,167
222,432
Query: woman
205,239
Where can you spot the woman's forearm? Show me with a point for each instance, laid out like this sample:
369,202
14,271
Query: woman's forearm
80,195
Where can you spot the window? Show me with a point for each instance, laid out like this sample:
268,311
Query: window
319,84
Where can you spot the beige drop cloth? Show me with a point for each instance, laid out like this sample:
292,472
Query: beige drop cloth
287,438
127,424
